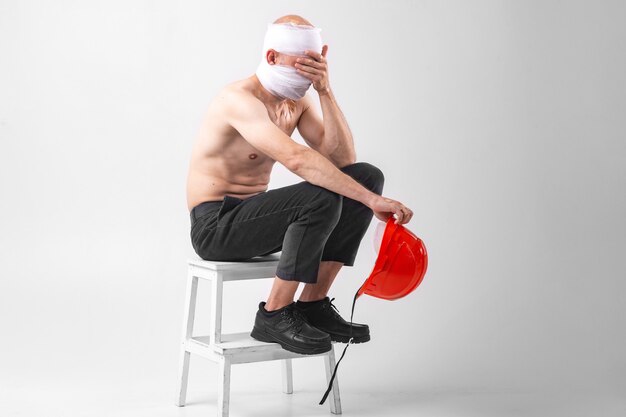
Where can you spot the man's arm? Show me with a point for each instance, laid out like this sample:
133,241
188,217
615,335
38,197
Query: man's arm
311,128
249,116
329,136
337,134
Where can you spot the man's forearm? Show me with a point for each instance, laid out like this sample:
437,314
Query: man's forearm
316,169
337,135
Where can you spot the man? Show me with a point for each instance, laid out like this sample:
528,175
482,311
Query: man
317,223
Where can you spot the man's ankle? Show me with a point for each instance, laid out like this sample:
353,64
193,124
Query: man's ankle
310,299
276,305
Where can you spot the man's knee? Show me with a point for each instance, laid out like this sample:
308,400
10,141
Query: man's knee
367,174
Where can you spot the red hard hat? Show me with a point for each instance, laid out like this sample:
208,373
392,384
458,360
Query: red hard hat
400,266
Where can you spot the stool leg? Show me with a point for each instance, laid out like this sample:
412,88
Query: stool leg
287,376
216,308
335,400
183,375
188,319
223,387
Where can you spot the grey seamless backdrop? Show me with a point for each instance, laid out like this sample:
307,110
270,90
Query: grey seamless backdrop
499,123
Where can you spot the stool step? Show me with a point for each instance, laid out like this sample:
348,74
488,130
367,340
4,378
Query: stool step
242,347
236,342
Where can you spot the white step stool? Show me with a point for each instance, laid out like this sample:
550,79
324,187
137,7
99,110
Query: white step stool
228,349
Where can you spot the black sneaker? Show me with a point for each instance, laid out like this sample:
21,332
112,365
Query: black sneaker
324,315
287,327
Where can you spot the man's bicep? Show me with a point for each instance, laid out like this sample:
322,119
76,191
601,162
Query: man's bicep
249,117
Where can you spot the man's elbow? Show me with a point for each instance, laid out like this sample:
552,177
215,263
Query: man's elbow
347,160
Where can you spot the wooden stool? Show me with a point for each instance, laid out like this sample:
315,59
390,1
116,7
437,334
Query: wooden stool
228,349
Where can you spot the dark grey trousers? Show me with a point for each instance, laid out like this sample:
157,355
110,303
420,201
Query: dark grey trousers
307,222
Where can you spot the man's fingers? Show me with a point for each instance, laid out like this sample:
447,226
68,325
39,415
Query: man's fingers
405,215
317,56
308,69
400,215
306,74
310,62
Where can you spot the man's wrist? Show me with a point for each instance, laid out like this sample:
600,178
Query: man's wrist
324,92
371,199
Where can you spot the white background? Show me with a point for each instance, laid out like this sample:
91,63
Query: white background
499,123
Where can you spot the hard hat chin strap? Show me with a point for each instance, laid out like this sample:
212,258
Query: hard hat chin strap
330,384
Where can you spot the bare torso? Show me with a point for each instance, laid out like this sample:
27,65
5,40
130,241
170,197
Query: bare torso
223,162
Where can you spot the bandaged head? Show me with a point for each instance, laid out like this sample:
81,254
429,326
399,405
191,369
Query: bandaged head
283,80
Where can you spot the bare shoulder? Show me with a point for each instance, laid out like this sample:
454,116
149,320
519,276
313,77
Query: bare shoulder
235,93
235,101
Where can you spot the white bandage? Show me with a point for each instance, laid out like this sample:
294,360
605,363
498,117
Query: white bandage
284,81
